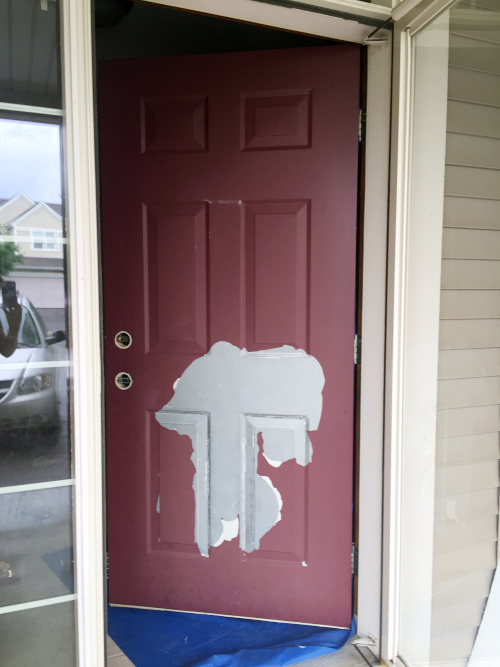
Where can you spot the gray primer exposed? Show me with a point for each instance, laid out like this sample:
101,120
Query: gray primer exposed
222,402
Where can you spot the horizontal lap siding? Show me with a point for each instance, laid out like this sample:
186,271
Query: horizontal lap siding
468,420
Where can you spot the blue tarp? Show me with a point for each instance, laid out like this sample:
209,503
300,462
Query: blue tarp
176,639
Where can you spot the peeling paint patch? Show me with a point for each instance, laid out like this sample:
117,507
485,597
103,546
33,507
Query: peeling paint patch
229,531
223,401
275,464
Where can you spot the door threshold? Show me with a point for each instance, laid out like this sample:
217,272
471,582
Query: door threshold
249,618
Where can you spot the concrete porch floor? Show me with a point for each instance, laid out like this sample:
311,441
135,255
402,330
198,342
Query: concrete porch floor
346,657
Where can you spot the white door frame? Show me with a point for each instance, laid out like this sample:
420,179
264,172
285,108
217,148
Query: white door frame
412,326
85,304
85,329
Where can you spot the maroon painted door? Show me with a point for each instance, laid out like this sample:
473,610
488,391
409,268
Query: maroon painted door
229,219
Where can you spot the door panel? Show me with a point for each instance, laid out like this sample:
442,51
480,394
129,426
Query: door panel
229,186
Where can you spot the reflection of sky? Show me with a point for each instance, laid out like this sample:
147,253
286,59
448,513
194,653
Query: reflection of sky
30,160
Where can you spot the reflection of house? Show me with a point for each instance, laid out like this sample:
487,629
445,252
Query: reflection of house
37,228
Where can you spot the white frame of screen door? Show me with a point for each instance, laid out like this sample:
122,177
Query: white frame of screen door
412,334
80,158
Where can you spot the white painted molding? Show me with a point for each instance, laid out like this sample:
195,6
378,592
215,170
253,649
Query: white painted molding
394,340
378,115
414,268
83,264
285,18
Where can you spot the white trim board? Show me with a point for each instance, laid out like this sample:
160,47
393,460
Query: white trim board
373,299
80,184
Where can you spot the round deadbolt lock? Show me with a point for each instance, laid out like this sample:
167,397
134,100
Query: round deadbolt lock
123,381
123,340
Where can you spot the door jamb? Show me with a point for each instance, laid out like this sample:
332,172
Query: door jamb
84,316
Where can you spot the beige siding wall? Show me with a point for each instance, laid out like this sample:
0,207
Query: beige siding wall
41,219
13,209
468,430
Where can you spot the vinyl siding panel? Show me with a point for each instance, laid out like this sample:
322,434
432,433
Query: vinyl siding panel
474,54
471,243
470,304
472,181
458,508
468,421
453,480
472,86
470,274
467,118
470,212
469,150
467,449
468,363
468,392
458,334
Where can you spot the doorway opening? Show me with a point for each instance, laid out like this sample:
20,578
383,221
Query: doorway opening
229,181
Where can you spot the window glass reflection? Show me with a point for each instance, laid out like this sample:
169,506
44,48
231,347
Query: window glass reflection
36,558
34,439
29,53
43,636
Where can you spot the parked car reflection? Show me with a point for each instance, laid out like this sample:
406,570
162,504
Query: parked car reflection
28,378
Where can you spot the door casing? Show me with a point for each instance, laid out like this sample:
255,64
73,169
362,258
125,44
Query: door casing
78,75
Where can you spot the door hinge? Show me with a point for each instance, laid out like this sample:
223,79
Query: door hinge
362,125
354,560
357,349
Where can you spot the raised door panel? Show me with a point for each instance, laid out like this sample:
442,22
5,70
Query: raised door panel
175,245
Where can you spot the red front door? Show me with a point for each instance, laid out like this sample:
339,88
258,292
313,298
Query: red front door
229,230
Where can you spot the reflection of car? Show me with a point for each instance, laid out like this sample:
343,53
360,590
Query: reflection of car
28,387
